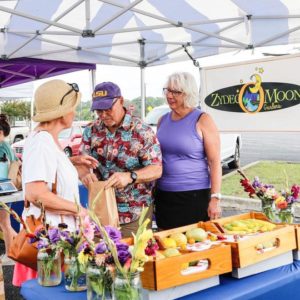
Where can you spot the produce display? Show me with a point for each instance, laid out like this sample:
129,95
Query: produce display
248,226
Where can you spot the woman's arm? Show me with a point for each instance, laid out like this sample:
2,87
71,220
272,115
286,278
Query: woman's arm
211,138
38,192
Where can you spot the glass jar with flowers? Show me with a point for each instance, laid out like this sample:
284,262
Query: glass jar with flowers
48,258
128,260
277,206
49,267
74,273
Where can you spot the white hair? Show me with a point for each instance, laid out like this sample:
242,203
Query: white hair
186,83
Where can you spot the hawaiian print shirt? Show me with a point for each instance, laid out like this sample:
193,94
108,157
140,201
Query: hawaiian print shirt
131,147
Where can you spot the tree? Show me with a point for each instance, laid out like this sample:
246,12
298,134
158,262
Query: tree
16,110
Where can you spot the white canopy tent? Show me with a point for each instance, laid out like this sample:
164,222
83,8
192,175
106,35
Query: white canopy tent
142,32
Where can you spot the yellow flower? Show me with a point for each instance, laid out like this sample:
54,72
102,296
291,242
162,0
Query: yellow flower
146,236
279,199
83,258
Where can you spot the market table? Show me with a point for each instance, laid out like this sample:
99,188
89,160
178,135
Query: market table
280,283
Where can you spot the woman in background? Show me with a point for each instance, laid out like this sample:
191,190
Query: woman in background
189,189
46,167
6,156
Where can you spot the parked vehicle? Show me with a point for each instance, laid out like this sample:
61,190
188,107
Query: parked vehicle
17,133
69,140
231,143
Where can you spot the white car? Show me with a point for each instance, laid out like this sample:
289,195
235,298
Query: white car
230,142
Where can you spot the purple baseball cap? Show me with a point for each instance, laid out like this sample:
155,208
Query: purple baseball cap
104,95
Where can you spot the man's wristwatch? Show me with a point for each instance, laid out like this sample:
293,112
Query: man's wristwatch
216,195
133,176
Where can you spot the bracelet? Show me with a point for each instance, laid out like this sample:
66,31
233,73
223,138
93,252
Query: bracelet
216,195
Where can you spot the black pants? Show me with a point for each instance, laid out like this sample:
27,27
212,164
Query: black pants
175,209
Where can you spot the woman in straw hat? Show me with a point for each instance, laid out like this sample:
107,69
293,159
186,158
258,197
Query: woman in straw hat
48,176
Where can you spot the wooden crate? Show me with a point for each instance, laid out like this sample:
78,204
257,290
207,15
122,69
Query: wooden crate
162,273
244,252
297,233
2,293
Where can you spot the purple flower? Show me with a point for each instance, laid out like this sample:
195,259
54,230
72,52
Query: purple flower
54,235
66,236
83,246
113,233
121,246
290,199
43,243
123,253
123,256
100,248
256,183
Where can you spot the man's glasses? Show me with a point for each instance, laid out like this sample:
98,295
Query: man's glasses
173,92
109,110
74,87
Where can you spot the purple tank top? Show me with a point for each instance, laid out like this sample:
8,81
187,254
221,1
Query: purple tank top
185,165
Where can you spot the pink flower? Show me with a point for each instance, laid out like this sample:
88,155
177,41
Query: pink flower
88,228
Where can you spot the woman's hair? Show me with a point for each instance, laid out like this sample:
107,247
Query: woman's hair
185,82
4,125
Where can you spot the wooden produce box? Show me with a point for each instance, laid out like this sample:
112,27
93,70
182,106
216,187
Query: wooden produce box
296,252
244,251
165,272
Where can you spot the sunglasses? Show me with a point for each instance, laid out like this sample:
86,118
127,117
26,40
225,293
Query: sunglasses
74,87
173,92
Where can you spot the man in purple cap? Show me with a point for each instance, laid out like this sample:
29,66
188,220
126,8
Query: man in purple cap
128,152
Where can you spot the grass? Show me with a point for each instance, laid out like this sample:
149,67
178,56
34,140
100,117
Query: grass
280,174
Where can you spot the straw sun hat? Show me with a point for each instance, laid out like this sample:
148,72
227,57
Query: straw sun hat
55,99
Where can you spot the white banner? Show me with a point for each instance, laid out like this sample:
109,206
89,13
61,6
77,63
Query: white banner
254,96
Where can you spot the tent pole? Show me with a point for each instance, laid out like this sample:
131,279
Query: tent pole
142,65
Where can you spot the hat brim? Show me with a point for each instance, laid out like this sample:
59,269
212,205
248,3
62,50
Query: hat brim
58,113
101,103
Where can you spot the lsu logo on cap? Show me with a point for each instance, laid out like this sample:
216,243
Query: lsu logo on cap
99,94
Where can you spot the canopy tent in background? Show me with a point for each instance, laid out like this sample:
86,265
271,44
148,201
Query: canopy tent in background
142,32
19,70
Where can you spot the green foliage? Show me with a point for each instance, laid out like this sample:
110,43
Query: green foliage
16,109
279,174
151,102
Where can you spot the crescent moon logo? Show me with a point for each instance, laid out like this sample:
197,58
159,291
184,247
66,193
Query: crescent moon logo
251,96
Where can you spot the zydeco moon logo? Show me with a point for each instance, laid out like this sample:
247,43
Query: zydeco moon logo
255,96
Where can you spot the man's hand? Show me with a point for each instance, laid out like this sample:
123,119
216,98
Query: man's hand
85,160
89,178
118,180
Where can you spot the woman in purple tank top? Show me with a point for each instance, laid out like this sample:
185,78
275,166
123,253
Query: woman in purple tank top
189,189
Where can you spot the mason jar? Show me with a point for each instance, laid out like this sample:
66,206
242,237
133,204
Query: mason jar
49,268
99,282
74,278
127,287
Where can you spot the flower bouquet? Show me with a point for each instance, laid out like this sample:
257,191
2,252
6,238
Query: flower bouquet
48,258
69,243
277,206
98,262
128,260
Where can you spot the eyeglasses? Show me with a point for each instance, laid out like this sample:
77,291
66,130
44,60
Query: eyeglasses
109,110
173,92
74,87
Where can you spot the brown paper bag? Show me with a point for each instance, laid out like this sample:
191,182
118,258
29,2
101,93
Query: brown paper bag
15,173
105,205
